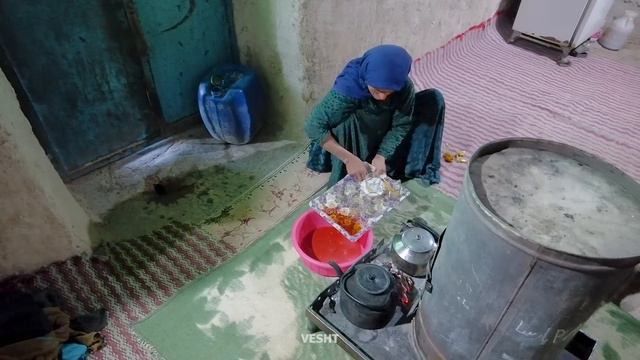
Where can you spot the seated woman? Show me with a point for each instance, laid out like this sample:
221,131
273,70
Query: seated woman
372,115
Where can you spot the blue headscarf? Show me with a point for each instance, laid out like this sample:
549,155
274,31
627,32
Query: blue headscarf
384,67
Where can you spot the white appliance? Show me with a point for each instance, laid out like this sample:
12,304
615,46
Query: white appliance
564,25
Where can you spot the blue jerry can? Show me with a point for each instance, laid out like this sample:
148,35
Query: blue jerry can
232,104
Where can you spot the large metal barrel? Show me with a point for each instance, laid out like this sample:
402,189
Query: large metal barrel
515,278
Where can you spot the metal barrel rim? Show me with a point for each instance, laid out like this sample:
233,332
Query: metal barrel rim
513,237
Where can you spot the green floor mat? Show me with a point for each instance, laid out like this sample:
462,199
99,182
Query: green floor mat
192,198
252,307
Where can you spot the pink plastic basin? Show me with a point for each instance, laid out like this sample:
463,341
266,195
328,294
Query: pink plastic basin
302,233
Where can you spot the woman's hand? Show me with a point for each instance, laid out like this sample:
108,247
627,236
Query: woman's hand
380,165
356,167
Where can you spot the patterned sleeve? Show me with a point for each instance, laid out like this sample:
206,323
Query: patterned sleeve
401,122
329,113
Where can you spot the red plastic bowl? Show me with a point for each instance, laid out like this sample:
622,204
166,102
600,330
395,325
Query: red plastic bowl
301,234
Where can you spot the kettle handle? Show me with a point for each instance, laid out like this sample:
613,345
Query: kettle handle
432,261
435,256
335,267
428,286
420,222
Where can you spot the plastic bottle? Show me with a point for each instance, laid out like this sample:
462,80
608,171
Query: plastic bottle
617,34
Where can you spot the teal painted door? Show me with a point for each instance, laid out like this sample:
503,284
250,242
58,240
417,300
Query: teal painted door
100,78
79,78
185,39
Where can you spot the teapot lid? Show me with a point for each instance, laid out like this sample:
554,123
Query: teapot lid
419,240
373,279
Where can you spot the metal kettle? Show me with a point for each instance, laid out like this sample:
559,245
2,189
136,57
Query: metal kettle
413,249
366,295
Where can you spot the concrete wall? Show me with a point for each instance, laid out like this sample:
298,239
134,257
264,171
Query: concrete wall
336,31
40,222
268,36
300,46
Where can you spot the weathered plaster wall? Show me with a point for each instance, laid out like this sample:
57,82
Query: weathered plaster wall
299,46
268,36
335,31
40,222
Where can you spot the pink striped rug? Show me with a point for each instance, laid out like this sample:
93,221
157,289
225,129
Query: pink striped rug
140,276
495,90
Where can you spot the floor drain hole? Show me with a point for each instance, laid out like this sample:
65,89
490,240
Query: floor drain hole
160,189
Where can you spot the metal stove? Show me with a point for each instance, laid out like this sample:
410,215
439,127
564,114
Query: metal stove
397,338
